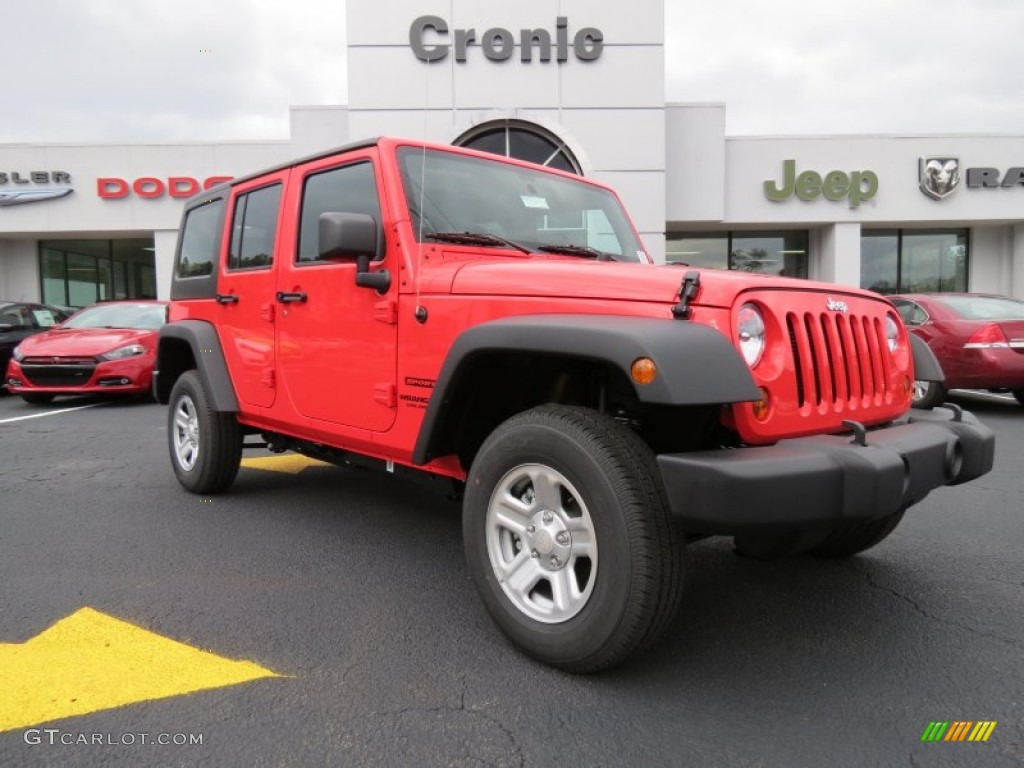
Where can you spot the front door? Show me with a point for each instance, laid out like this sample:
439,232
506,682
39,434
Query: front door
336,343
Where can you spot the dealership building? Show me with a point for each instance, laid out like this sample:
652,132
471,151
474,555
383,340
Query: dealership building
576,85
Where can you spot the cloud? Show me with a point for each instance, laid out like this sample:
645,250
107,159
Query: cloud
171,70
933,66
108,70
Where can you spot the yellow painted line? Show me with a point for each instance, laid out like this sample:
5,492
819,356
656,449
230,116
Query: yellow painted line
292,463
90,661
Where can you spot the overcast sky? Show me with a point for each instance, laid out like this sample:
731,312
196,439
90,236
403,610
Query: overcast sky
151,70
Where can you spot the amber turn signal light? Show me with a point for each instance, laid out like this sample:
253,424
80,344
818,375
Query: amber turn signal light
762,406
643,370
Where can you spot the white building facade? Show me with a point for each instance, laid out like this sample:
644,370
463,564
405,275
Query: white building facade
577,85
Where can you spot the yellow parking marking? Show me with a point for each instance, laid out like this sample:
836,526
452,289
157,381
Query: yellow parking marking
90,661
292,463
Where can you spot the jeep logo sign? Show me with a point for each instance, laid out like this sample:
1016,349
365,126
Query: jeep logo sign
855,186
499,44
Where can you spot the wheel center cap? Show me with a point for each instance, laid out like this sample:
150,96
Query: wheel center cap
543,542
549,540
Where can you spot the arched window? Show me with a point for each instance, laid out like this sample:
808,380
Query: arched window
521,140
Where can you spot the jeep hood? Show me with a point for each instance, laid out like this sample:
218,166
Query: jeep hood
615,281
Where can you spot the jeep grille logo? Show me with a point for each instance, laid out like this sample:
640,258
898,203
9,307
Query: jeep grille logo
836,306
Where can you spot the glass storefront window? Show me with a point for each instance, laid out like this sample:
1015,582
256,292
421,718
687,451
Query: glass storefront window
914,261
76,273
54,276
696,250
879,261
768,253
522,140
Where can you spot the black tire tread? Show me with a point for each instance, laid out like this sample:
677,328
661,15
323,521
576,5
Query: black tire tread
37,398
936,395
656,579
221,441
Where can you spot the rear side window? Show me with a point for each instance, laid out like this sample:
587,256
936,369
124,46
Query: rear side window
200,240
349,189
254,228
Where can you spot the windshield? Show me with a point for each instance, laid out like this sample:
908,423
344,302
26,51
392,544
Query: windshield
137,316
530,208
984,307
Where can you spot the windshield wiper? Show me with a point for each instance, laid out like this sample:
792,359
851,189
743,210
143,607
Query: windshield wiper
579,250
474,238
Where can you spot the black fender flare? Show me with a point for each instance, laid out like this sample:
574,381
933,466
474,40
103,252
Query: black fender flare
697,365
207,356
926,365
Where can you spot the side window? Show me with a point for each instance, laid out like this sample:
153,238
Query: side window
254,228
911,313
200,240
16,316
349,189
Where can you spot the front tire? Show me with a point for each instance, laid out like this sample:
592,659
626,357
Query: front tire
928,394
205,445
569,539
37,398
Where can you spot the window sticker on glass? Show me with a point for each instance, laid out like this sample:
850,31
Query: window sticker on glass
44,317
531,201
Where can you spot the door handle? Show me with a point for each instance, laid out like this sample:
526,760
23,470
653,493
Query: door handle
226,298
286,297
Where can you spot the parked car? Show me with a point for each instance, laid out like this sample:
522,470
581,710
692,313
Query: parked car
19,320
978,338
106,348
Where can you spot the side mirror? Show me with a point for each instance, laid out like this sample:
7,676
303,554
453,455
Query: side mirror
347,236
354,236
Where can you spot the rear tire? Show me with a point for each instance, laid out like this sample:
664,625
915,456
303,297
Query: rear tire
852,538
928,394
205,445
569,538
37,398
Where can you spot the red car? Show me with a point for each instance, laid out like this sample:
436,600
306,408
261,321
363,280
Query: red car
978,339
105,348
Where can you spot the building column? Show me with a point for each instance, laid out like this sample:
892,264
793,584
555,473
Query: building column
838,254
1016,285
164,244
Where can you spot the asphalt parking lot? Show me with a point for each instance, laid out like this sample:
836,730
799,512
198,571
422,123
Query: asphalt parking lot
349,590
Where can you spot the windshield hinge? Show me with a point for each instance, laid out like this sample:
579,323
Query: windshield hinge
687,292
386,312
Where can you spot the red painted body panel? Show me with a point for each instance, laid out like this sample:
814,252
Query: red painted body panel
352,368
59,349
946,332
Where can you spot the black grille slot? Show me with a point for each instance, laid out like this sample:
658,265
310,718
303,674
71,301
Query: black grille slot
797,364
836,358
58,375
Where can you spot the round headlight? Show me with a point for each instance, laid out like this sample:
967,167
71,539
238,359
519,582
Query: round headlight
892,333
17,354
750,328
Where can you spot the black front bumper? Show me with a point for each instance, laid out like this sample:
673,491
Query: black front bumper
826,480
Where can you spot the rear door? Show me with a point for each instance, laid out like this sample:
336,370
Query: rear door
246,310
336,341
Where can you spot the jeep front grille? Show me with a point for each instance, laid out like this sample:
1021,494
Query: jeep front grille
837,358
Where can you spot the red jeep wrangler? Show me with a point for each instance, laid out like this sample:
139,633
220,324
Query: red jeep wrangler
429,308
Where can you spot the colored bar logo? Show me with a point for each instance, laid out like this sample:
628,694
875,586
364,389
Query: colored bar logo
958,730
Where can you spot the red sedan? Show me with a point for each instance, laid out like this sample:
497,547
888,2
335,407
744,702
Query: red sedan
106,348
978,339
